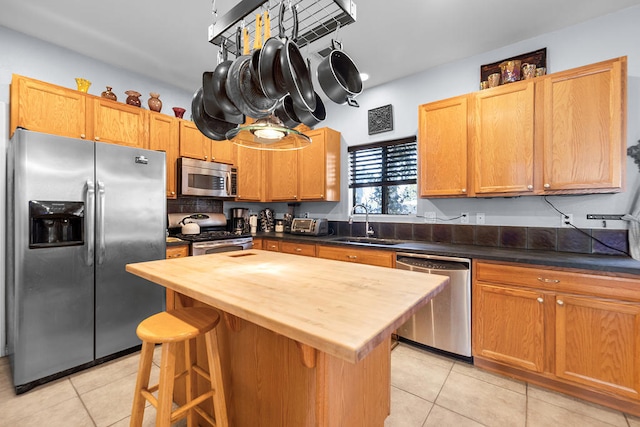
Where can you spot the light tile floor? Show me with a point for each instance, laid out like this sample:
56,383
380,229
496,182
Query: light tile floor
427,391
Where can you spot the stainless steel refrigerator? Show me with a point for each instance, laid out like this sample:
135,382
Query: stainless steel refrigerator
77,213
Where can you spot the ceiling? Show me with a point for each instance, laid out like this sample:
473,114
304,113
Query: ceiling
168,40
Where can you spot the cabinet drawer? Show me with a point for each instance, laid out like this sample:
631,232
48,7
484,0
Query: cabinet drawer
271,245
361,256
308,249
573,281
178,251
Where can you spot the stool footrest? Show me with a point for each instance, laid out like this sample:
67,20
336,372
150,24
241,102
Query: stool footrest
204,374
181,411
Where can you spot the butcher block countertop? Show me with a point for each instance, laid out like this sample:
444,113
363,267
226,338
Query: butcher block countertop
340,308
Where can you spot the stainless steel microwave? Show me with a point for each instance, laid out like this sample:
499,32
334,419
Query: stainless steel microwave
209,179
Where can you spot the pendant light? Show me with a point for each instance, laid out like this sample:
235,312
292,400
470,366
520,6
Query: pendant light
268,134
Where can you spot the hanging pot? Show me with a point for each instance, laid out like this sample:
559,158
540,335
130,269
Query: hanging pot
244,92
311,117
339,77
295,74
210,127
216,102
285,112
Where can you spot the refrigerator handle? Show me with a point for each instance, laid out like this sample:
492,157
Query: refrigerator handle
90,220
100,222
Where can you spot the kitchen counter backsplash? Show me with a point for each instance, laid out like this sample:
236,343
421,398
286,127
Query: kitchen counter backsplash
535,238
194,204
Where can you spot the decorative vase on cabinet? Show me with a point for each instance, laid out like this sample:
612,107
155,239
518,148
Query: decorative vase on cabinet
109,94
133,98
154,102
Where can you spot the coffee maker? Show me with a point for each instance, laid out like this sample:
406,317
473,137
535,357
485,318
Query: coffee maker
239,220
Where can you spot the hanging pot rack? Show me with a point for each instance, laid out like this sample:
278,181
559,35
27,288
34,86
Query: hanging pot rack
316,19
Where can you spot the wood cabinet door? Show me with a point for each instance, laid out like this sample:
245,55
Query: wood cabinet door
118,123
250,174
193,143
509,325
585,128
282,175
503,139
221,151
177,251
43,107
164,136
442,148
296,248
319,166
271,245
598,343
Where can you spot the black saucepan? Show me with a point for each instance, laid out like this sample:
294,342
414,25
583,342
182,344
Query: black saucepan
285,112
211,127
295,73
339,77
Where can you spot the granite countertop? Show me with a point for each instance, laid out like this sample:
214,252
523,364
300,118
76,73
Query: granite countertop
606,263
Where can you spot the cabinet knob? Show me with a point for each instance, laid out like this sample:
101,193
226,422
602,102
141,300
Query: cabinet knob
173,193
529,187
547,186
83,136
352,256
206,157
540,299
298,249
464,190
560,302
97,138
545,280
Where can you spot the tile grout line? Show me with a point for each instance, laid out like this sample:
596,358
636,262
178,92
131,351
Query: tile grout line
82,402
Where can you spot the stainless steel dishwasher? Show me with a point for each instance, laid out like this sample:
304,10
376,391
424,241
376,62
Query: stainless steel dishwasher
444,323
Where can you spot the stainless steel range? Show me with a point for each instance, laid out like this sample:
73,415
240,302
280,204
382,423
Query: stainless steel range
213,236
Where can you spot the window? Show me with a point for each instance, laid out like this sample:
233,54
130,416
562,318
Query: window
383,176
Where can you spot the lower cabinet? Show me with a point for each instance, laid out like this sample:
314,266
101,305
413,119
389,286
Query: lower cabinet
271,245
177,251
381,258
307,249
572,331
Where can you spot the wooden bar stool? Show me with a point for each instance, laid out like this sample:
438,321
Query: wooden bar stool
171,329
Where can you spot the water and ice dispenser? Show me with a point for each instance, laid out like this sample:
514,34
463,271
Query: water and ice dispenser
55,223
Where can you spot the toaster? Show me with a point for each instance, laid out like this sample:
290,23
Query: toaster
310,226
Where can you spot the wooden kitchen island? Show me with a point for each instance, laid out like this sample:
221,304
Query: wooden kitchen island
305,341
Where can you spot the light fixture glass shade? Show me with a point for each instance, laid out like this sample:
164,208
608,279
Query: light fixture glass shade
268,134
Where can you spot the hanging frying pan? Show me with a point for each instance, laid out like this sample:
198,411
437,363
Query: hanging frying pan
210,127
268,64
285,112
295,73
244,92
311,117
215,97
339,77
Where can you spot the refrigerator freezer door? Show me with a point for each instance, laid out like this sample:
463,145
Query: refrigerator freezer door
130,227
50,289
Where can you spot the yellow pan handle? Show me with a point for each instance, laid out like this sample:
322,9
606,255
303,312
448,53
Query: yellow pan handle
257,43
246,49
267,25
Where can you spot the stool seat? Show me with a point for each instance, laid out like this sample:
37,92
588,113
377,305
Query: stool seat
177,325
172,329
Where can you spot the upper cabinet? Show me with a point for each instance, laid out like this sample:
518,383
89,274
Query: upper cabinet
118,123
502,142
43,107
585,127
164,136
195,145
564,133
442,153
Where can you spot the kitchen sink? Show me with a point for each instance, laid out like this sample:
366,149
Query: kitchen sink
367,241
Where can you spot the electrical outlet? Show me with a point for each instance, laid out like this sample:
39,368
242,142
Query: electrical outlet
465,218
306,215
430,217
479,218
566,220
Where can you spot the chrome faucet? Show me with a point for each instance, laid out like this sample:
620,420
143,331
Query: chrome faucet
368,230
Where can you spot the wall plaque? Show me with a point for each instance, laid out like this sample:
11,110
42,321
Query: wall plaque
380,119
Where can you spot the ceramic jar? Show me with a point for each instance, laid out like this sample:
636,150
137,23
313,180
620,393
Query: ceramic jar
133,98
154,102
109,94
510,71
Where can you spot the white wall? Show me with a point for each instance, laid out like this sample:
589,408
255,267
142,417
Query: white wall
600,39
